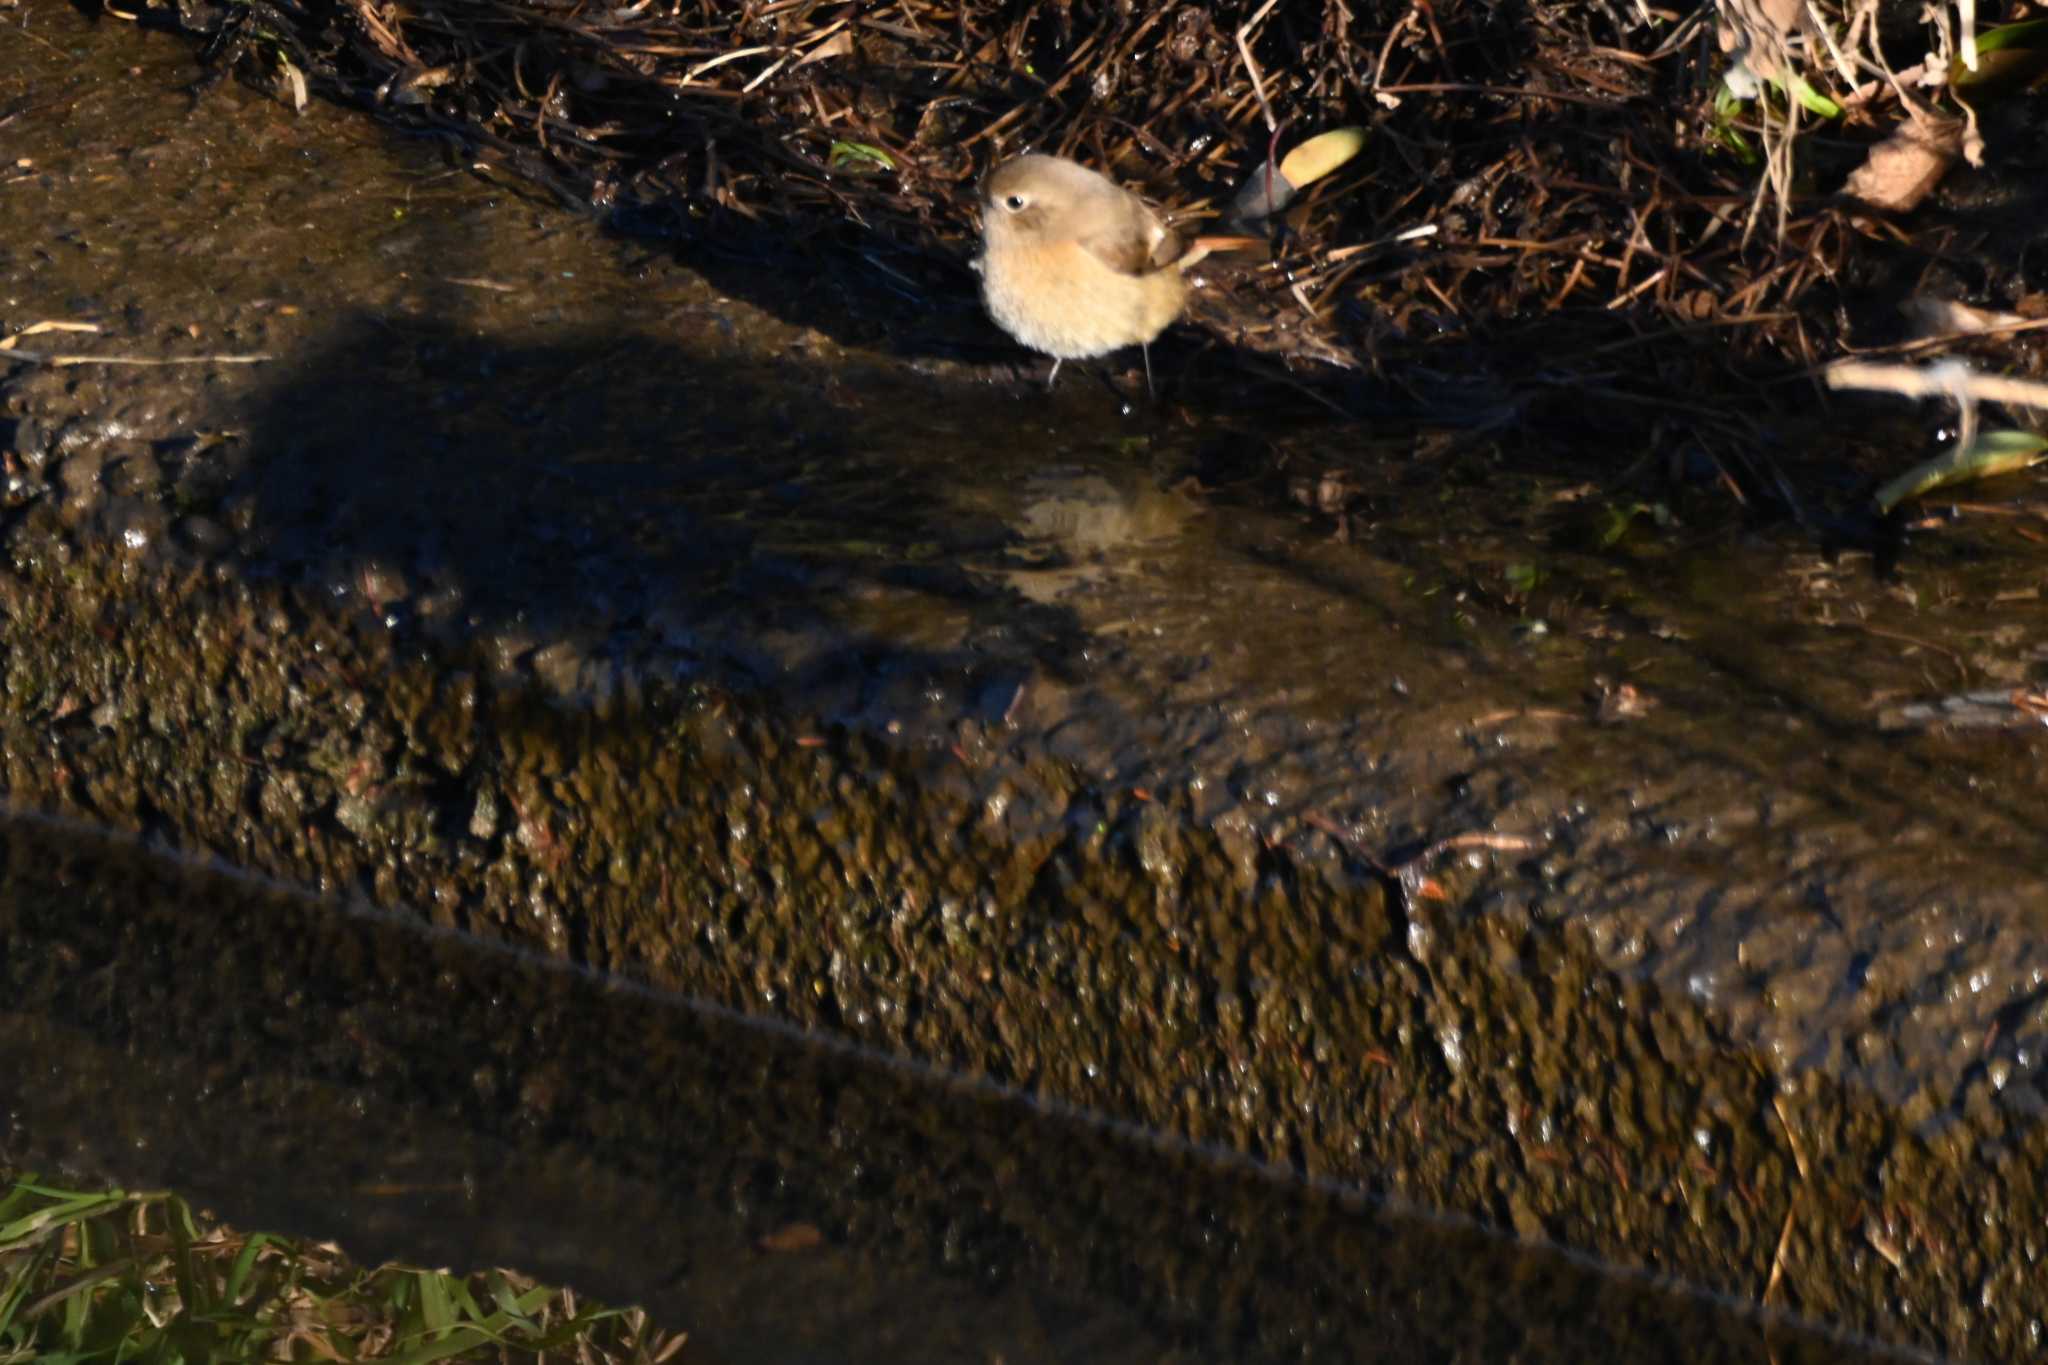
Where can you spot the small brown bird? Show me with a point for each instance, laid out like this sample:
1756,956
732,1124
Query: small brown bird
1075,265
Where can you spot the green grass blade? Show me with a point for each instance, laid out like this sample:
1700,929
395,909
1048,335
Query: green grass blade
437,1310
1811,99
88,1283
29,1227
245,1262
455,1343
859,156
1991,454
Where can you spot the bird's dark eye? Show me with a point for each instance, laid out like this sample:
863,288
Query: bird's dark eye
1014,203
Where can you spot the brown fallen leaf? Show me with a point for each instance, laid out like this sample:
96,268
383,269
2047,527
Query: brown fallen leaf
840,44
1904,168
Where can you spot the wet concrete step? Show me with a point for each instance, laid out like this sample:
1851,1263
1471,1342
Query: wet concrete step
780,1198
1339,796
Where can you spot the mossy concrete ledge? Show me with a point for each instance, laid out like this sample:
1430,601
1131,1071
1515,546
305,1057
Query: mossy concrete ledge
1500,856
973,902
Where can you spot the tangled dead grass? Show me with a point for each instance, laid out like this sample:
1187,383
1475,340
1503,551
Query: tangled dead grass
1554,169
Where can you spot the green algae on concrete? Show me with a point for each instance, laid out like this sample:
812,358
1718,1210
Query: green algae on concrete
706,845
368,1079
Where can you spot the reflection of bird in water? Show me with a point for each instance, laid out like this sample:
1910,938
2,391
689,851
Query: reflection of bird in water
1076,266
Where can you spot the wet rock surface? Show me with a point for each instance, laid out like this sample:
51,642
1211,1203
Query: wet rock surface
1564,881
779,1199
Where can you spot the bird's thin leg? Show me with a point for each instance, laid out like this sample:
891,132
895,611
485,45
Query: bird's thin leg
1053,378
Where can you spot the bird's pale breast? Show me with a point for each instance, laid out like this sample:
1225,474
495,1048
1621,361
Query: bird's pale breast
1059,298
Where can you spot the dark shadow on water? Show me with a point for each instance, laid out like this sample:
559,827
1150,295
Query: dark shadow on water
644,504
354,1076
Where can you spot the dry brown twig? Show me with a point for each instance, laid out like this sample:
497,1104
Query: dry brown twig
1946,379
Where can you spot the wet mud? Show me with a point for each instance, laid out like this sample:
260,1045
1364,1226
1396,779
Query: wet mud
1439,824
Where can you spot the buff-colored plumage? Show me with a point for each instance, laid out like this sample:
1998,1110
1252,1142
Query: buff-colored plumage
1073,264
